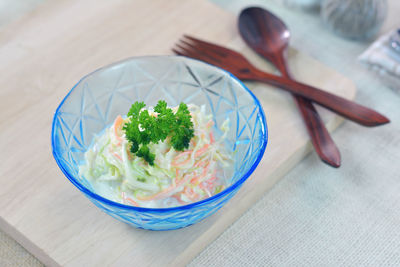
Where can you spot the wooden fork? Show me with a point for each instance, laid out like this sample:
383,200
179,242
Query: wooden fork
239,66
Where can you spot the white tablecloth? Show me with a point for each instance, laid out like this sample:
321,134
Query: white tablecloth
316,215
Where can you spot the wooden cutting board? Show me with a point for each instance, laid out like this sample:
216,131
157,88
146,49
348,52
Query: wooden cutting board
43,55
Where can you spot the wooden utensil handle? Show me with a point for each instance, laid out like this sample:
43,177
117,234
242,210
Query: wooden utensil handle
320,137
348,109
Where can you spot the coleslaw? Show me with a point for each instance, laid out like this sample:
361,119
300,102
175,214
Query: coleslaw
176,178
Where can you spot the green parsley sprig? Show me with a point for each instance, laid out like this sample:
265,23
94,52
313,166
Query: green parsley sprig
143,128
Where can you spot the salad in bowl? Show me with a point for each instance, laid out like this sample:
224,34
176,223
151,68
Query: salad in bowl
159,142
158,158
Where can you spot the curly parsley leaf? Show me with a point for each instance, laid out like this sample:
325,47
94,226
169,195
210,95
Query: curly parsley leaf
143,128
144,152
183,129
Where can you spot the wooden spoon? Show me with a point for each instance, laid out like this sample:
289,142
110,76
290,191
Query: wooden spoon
269,37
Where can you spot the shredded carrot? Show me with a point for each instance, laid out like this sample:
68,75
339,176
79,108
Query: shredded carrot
117,125
208,185
212,139
130,200
129,155
195,180
175,160
193,142
202,150
211,180
115,154
133,202
205,170
198,153
209,124
200,163
190,193
201,185
180,163
188,152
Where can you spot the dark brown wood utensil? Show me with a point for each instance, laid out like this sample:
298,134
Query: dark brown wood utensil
269,37
239,66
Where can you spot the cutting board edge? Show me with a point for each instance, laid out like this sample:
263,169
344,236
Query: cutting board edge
28,244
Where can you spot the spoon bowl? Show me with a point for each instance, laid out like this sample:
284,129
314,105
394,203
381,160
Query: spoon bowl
263,31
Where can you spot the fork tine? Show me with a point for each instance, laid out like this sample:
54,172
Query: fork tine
179,53
222,51
190,51
185,51
199,48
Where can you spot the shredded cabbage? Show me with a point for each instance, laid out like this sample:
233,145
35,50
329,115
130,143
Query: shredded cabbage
177,178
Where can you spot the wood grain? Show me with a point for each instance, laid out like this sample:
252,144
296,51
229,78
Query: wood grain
43,55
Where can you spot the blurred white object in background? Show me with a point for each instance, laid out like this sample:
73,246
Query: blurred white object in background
354,19
384,60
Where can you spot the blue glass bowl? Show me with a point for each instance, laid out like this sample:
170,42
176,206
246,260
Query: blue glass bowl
95,101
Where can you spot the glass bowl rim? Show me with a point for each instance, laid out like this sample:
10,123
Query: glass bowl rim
205,201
